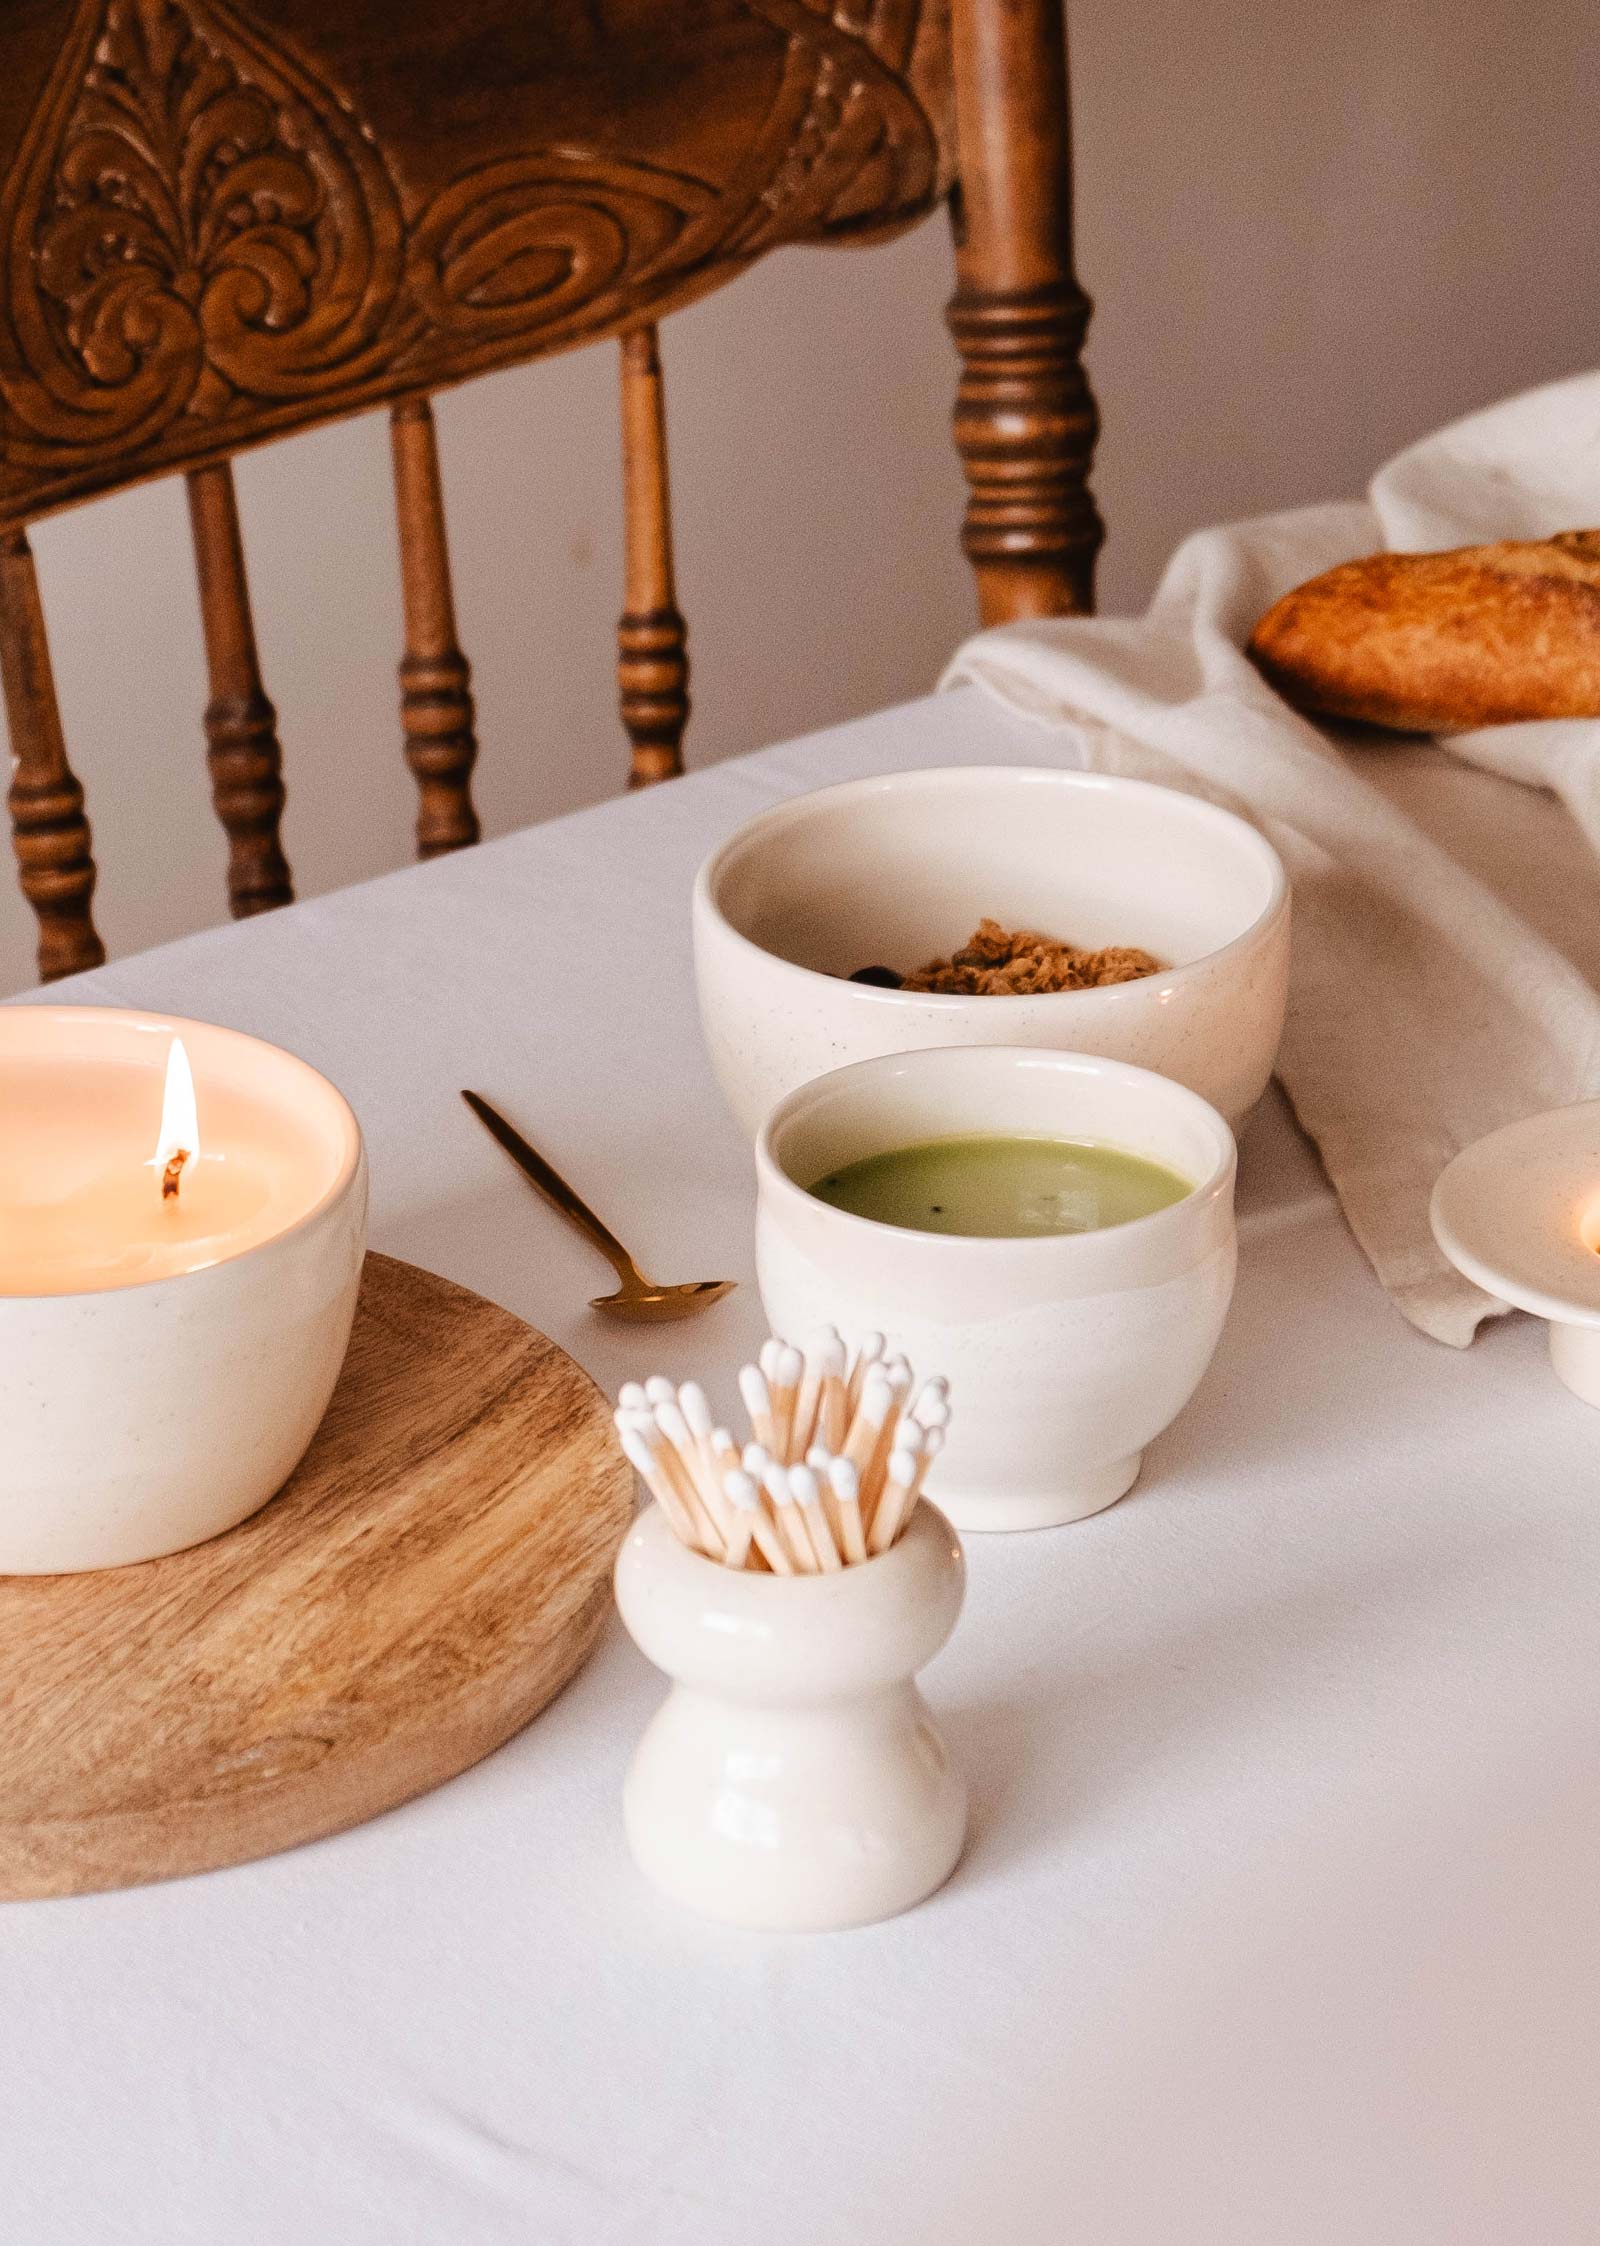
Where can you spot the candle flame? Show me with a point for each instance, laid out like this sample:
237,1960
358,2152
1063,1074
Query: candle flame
180,1123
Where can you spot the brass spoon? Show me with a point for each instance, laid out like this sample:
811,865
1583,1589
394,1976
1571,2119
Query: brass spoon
638,1298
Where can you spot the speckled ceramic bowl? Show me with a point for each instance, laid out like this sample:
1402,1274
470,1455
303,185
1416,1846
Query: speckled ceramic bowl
900,869
1066,1353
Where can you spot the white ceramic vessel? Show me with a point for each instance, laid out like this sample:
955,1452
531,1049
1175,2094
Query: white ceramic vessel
793,1779
1065,1354
900,869
1519,1213
139,1418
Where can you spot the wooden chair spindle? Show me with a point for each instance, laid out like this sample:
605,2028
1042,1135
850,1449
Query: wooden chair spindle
652,637
436,712
242,752
1025,418
49,830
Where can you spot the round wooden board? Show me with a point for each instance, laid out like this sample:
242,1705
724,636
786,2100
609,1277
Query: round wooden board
433,1574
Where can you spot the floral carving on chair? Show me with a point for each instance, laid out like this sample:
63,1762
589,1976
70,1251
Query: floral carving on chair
192,217
850,145
556,235
198,230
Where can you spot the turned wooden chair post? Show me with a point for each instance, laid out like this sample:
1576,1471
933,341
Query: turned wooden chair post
48,827
436,713
242,750
1025,420
652,637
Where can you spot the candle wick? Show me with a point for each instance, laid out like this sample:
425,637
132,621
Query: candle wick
172,1173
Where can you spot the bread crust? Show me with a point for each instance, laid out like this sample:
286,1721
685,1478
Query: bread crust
1438,643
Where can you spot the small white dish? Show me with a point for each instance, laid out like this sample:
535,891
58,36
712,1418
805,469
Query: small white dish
793,1779
1065,1354
900,869
1518,1213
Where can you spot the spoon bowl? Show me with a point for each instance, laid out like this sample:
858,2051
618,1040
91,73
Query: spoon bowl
659,1306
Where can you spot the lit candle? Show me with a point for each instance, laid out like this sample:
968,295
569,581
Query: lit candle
93,1193
182,1221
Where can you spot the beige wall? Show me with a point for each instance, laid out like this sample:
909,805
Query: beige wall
1307,248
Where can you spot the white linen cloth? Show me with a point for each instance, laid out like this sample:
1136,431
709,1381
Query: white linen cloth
1423,1012
1277,1923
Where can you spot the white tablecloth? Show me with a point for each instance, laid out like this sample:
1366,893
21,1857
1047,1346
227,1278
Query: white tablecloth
1278,1925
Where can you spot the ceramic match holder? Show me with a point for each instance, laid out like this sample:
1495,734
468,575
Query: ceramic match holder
793,1779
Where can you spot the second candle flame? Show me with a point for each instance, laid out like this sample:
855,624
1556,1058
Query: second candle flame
179,1142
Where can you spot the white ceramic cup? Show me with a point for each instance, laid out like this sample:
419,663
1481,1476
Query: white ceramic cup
1065,1354
138,1419
793,1778
900,869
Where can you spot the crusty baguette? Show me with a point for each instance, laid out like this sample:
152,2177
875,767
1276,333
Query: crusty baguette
1436,643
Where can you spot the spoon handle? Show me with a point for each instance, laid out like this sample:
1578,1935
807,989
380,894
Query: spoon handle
555,1188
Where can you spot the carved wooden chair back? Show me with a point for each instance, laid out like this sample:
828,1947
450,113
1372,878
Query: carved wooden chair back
225,220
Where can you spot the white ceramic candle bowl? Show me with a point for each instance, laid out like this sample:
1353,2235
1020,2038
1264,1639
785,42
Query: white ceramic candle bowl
1519,1214
899,870
793,1778
142,1418
1065,1354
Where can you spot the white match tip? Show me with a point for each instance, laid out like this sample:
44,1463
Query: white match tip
775,1480
741,1492
803,1486
673,1425
695,1409
908,1436
846,1480
819,1458
659,1390
829,1359
753,1389
876,1397
631,1396
723,1444
933,1442
643,1423
637,1454
936,1414
767,1356
902,1469
872,1347
754,1460
791,1367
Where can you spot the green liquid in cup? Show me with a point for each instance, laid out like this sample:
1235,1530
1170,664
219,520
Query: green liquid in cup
1003,1188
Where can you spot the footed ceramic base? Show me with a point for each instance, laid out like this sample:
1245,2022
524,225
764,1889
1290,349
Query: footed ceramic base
974,1511
861,1824
1575,1354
